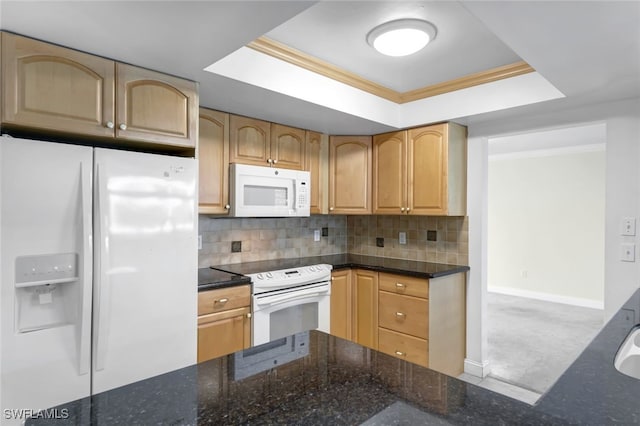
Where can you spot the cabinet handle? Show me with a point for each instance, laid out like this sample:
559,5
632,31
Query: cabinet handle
400,285
123,126
400,314
275,161
400,353
330,209
249,315
227,206
401,209
224,300
110,124
408,208
269,160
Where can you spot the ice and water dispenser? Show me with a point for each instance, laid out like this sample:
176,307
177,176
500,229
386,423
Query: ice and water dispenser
47,291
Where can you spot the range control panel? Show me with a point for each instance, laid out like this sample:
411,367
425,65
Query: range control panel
284,278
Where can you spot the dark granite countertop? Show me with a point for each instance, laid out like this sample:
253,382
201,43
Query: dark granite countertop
341,261
341,383
210,279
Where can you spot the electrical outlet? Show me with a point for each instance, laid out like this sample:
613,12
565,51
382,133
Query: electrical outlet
432,235
379,242
316,235
628,252
199,242
325,232
402,238
236,246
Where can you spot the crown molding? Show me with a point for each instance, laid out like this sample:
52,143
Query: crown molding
293,56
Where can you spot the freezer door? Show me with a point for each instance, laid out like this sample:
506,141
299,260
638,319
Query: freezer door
45,274
145,279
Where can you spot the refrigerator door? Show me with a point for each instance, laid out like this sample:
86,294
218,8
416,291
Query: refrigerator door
145,266
45,274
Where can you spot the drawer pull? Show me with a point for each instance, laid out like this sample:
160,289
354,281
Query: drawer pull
400,285
249,315
401,314
400,353
224,300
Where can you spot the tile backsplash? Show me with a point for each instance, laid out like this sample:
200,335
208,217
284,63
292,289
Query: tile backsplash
269,238
451,245
273,238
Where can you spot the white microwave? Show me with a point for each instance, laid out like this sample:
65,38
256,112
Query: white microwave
257,191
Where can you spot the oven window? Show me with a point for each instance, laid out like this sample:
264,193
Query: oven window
293,320
255,195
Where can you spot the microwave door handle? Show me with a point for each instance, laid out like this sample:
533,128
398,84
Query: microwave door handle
288,298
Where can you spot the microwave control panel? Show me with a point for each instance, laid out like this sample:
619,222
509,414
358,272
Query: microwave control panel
303,194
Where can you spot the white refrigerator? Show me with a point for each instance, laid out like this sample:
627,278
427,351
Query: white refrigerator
98,270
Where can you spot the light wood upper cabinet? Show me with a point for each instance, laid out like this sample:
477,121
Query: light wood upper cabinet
350,175
437,170
314,165
52,88
155,107
213,160
287,147
341,303
390,173
57,89
420,171
250,141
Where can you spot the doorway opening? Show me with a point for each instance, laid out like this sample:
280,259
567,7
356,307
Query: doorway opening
545,264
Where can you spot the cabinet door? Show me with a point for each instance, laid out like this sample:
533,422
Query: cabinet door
350,175
213,161
427,158
52,88
287,147
154,107
341,304
249,141
390,173
365,305
313,164
223,333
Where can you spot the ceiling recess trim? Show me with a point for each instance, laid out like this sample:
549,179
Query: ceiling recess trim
293,56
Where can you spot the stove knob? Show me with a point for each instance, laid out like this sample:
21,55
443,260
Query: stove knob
260,276
269,275
312,268
319,268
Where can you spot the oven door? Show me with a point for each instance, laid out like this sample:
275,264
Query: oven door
285,312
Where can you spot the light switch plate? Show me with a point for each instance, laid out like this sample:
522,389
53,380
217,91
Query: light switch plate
628,226
628,252
316,235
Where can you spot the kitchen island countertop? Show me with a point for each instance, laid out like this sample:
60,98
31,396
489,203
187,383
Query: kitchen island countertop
342,383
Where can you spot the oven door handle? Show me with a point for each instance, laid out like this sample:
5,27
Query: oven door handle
288,298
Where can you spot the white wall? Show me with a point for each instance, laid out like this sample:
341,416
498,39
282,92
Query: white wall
546,224
622,199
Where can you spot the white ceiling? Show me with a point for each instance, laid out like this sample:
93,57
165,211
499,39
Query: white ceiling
587,50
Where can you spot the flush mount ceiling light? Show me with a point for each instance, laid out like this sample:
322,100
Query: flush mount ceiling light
402,37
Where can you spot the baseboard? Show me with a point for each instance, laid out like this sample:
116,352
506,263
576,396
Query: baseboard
476,369
548,297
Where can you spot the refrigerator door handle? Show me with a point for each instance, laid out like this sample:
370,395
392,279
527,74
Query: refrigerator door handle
87,260
101,281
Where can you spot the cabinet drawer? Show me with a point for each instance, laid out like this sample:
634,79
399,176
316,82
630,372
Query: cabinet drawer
405,314
223,299
223,333
404,346
410,286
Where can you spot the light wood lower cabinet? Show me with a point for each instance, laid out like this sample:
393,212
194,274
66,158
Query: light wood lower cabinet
365,308
341,303
224,321
415,319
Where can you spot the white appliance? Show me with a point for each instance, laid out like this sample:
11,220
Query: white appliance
290,301
98,267
268,192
